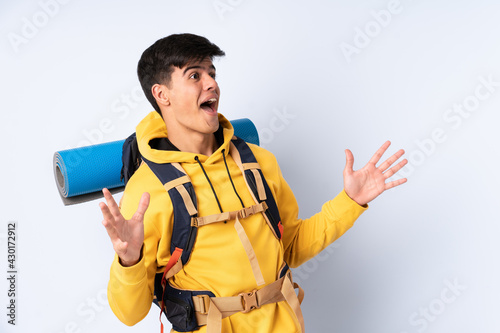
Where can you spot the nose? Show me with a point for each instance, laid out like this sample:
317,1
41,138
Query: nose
209,83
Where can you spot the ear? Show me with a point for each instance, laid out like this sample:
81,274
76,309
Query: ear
160,93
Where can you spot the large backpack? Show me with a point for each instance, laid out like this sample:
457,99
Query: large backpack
178,304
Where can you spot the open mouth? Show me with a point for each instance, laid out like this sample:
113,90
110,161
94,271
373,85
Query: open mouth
209,105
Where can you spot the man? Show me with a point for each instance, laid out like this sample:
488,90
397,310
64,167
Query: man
237,257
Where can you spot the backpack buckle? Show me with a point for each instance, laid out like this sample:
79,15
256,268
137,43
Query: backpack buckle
204,303
243,213
249,301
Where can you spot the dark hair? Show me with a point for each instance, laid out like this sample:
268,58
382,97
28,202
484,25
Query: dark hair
157,61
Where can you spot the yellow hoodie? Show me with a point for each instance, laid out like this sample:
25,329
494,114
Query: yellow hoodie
218,261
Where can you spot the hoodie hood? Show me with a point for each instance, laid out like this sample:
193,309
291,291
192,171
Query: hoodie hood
153,127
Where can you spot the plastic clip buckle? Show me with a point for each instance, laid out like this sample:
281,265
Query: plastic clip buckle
249,301
243,213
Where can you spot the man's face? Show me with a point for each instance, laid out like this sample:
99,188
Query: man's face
194,94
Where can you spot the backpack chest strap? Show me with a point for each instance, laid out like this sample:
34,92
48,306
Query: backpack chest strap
226,216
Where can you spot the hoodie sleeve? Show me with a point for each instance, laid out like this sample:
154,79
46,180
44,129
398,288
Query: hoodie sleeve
131,289
305,238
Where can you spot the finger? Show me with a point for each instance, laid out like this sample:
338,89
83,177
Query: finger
113,207
349,162
388,162
395,183
111,230
378,154
395,168
109,223
106,214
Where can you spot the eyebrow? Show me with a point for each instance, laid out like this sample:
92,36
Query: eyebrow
196,67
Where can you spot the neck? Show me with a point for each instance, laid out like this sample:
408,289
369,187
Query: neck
197,144
192,142
189,139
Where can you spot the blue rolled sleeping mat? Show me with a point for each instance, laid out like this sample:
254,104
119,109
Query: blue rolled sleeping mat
82,173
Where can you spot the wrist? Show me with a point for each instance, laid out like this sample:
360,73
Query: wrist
128,263
131,261
356,200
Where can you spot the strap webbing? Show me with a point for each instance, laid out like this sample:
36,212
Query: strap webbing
176,268
226,216
178,166
174,261
260,185
280,290
187,200
292,300
237,158
254,167
176,182
248,166
257,273
214,318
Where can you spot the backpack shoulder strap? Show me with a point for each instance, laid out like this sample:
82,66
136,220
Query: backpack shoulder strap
246,161
178,185
180,189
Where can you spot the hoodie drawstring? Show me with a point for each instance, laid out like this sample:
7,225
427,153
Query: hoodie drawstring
208,179
231,179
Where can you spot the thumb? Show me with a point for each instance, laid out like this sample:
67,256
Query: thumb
349,162
143,206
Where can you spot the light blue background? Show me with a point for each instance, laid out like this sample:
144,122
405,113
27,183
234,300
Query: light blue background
73,80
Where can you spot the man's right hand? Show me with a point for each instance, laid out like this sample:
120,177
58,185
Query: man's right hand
127,236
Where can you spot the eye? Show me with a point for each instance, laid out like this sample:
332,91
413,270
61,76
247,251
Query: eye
213,75
195,76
